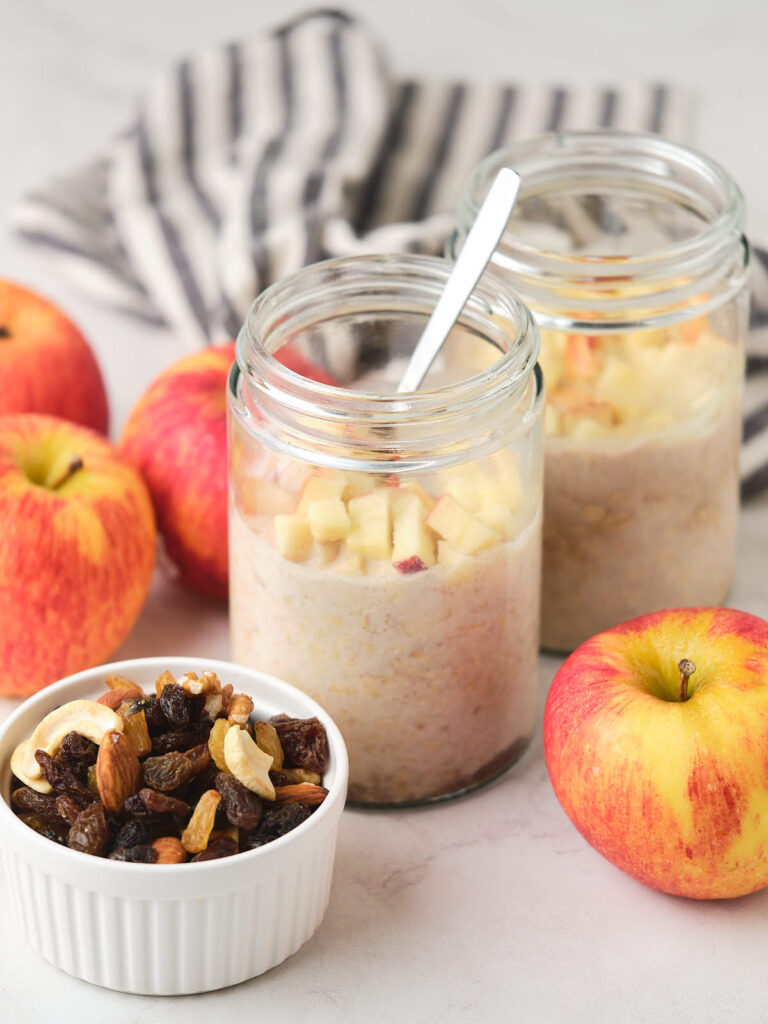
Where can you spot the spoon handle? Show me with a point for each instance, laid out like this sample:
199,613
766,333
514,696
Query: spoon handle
479,246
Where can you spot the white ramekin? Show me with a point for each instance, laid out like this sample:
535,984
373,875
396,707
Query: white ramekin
171,929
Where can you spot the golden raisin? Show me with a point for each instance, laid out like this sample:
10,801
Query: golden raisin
136,729
164,679
121,683
195,836
267,740
216,744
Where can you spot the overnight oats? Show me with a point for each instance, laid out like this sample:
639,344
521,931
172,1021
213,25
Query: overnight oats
629,252
385,549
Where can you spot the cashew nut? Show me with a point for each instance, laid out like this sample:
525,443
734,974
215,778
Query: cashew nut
248,764
86,717
41,785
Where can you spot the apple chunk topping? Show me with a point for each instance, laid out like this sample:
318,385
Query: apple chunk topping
456,524
371,531
328,519
293,537
395,524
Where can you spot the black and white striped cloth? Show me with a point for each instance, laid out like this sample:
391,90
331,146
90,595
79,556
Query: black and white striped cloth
249,160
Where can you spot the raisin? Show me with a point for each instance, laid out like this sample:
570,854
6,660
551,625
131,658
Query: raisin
242,807
303,741
277,821
161,803
67,808
204,781
251,841
44,804
199,757
79,753
142,853
134,807
167,772
90,831
181,739
54,830
224,847
179,707
133,833
156,720
63,779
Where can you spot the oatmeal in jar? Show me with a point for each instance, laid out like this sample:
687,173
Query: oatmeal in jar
385,549
630,253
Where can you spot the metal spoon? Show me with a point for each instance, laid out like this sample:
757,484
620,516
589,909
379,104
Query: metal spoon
479,246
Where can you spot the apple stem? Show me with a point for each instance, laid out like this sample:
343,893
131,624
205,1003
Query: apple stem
4,332
75,463
686,668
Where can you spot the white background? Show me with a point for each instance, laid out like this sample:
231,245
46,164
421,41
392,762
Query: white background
491,908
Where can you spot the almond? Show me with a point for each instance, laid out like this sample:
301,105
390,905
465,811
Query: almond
304,791
114,698
118,772
169,850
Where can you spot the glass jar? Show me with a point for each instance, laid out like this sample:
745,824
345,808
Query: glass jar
630,253
385,548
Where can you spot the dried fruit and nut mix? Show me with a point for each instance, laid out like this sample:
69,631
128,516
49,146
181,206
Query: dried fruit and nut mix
183,774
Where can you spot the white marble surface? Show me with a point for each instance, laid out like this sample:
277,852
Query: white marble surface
491,908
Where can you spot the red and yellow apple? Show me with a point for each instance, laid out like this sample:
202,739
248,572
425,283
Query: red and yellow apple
656,741
77,549
176,436
46,365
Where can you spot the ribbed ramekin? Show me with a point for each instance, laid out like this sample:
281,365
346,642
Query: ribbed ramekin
171,929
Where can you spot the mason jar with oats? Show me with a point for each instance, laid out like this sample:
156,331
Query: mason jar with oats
629,250
386,548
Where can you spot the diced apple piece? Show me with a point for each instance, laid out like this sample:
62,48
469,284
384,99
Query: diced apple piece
292,475
427,501
356,484
328,519
262,498
410,535
370,518
497,515
448,556
592,419
581,362
463,482
349,563
293,537
327,553
459,527
319,488
506,465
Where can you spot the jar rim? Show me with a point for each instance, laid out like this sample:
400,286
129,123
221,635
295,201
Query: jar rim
623,149
259,364
310,412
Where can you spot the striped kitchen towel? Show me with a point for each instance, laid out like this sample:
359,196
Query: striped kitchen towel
249,160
